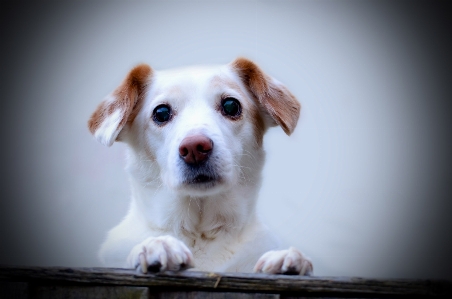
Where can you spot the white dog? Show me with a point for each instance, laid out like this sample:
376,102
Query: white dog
194,139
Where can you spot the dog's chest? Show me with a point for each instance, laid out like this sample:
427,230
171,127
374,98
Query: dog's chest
211,253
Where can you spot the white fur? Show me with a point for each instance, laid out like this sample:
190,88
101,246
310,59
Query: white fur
179,226
108,131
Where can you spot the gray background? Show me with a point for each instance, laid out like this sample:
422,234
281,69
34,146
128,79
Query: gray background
363,186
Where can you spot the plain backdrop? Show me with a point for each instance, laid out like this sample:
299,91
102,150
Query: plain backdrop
363,186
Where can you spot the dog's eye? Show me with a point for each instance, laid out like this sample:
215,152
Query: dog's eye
162,113
231,107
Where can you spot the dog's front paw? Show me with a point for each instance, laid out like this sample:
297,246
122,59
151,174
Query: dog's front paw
157,254
290,261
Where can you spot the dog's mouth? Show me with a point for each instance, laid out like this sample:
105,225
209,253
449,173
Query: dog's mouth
203,177
201,181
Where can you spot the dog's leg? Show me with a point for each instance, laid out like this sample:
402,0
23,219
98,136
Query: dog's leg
158,254
289,261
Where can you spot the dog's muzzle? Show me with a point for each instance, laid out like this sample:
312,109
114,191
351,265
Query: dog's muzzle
195,151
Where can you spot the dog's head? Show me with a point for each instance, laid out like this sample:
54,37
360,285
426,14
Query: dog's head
196,130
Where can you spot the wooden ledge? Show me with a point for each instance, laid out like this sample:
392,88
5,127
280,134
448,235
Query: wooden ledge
30,282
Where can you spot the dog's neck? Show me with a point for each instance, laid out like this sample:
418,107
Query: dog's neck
195,217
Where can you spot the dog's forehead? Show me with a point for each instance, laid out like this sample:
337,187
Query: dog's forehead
195,77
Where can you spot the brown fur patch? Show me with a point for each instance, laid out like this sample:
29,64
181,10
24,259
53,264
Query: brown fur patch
127,98
279,103
258,125
97,117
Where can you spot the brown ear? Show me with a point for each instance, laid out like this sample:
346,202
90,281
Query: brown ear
119,107
274,97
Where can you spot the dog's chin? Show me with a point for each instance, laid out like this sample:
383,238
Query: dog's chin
202,185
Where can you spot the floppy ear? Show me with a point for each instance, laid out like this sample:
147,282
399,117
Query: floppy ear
277,101
120,106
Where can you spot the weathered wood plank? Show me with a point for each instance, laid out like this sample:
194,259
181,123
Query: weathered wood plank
88,292
211,295
230,282
17,290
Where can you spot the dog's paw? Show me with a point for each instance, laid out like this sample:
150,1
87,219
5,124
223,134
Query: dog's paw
290,261
158,254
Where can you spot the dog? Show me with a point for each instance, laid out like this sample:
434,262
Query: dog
194,139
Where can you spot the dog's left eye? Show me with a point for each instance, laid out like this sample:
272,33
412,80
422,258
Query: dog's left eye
162,113
231,107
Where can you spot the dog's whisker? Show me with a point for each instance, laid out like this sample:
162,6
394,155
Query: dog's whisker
247,153
242,175
242,166
252,159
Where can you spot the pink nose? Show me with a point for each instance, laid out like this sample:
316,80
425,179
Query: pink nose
195,149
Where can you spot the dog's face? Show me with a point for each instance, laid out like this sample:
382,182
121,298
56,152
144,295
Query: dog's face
197,123
197,130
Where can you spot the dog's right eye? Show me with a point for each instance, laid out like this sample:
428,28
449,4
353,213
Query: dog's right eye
162,113
231,107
